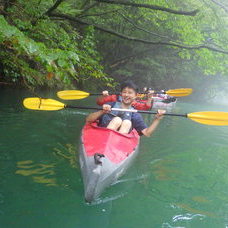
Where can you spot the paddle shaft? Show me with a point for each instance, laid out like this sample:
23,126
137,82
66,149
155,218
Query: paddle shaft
97,94
206,117
126,110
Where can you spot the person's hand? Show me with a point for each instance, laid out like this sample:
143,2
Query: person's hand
106,108
160,114
105,93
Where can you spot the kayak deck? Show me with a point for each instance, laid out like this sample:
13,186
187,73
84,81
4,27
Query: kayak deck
114,145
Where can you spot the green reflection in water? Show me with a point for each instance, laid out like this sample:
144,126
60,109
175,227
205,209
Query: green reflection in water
45,173
193,210
200,199
162,172
40,173
69,153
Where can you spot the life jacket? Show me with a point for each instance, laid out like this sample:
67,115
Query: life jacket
139,105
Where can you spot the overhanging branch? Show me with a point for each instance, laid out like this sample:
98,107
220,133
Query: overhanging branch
55,6
124,60
142,29
148,6
98,14
172,44
221,5
89,7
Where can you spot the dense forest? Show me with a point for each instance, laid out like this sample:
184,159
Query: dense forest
99,43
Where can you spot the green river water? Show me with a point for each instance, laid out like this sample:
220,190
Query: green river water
179,179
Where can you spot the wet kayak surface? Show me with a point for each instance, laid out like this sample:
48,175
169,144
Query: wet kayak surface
179,179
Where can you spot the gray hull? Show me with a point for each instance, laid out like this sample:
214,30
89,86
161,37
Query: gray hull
97,177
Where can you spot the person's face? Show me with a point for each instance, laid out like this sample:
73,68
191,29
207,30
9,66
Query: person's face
128,95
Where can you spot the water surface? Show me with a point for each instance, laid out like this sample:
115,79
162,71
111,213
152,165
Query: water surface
180,178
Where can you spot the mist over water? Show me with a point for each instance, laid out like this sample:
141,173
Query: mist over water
179,179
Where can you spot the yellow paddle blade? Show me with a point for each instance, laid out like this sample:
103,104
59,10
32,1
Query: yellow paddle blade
72,94
210,118
141,95
37,103
179,92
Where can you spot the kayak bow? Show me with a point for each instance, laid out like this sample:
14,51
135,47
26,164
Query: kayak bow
105,155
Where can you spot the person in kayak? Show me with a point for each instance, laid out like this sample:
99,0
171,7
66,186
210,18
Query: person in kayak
165,98
137,103
124,121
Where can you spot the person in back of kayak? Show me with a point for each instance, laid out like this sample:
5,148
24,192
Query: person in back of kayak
124,121
137,104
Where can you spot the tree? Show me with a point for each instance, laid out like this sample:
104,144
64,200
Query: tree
156,40
37,51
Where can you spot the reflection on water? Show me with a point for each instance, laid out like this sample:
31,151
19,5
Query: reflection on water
200,199
69,153
40,173
45,173
193,210
162,172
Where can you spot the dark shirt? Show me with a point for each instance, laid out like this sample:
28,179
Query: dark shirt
138,123
136,118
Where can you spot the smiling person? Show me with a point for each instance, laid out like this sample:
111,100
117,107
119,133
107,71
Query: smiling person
124,122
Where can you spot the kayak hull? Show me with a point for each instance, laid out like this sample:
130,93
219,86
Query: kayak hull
159,104
105,155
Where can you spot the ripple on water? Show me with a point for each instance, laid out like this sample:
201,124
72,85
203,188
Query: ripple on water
187,216
106,199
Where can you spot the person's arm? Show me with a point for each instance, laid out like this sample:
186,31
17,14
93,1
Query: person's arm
148,131
142,105
105,98
92,117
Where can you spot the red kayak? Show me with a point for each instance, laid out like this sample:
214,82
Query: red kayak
105,155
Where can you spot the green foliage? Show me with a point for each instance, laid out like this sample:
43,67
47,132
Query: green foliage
40,49
57,61
164,66
42,52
